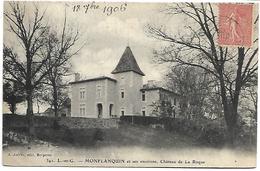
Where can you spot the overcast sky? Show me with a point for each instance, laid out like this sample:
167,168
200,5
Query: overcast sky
106,36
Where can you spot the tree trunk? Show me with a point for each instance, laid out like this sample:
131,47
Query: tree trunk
231,121
232,107
29,113
230,104
55,101
29,93
231,134
29,87
29,103
12,107
227,106
55,105
38,106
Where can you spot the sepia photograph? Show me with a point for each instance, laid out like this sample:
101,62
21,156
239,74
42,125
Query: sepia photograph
130,84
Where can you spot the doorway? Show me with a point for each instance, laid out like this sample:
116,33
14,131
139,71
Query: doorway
100,110
111,110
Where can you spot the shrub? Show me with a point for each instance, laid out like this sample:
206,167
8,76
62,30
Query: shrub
212,137
67,136
56,125
98,135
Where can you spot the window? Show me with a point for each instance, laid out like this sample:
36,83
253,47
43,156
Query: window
82,93
143,95
122,111
122,93
143,111
111,110
99,91
82,110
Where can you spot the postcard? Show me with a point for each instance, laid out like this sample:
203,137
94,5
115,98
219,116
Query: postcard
127,84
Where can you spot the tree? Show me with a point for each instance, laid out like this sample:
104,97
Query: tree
196,46
38,96
59,48
162,108
56,99
27,73
33,37
249,99
197,89
12,95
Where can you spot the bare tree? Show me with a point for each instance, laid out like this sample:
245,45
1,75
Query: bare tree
33,37
196,46
59,48
196,88
28,73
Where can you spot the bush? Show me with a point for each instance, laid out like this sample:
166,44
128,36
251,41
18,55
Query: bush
56,125
140,120
67,135
212,137
212,134
98,135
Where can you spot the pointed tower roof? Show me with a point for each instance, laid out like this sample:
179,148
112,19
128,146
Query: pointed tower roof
127,63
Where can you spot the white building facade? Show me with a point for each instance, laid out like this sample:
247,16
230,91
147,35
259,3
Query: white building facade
123,95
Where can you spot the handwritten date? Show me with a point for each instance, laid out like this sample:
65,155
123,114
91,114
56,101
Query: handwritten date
107,9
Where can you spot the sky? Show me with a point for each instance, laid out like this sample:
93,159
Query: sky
105,35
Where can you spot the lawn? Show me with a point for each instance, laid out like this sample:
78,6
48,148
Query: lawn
148,146
125,135
142,146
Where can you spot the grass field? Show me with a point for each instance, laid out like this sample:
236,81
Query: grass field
146,146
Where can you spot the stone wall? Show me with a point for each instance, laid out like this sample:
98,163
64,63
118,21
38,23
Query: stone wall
73,122
17,121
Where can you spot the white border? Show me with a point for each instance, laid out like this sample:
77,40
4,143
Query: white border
110,169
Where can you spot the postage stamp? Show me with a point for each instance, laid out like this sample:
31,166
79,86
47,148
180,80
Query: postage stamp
126,84
235,24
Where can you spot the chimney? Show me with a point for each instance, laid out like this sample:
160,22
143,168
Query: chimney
77,76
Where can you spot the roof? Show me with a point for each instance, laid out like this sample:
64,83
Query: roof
127,62
93,79
49,110
158,88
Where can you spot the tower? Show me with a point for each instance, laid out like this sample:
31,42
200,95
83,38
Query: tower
129,82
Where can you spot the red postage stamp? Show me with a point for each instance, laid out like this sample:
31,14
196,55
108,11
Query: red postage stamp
235,25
